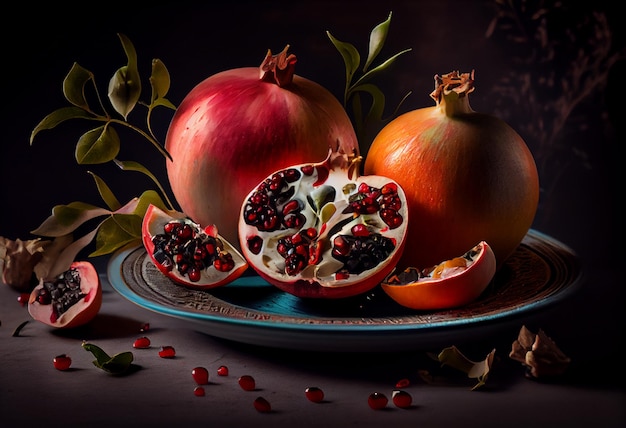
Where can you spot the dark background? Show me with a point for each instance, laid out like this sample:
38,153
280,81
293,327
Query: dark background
550,69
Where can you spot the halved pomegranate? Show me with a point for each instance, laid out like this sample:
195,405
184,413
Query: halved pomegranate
71,299
318,230
189,254
452,283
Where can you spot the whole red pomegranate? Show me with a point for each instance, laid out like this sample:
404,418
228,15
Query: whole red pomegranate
468,177
319,230
237,126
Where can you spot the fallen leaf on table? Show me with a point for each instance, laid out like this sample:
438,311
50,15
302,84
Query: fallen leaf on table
454,358
539,353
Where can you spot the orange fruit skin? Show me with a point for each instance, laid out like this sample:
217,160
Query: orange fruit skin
453,291
467,178
80,313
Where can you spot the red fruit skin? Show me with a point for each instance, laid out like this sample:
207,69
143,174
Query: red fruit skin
233,129
79,314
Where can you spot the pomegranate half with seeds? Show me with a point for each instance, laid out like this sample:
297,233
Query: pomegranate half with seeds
71,299
187,253
319,230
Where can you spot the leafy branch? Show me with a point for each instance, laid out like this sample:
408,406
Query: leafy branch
102,144
356,84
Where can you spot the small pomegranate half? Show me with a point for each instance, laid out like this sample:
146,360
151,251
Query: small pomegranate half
452,283
319,230
189,254
71,299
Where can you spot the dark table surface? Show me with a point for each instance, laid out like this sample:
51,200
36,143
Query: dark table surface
580,207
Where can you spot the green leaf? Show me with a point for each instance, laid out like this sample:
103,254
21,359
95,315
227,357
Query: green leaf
59,116
149,197
117,364
125,85
136,166
97,146
67,218
350,55
74,86
377,40
159,80
105,192
378,101
116,232
378,69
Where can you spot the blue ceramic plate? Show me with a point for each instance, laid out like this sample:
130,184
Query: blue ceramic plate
540,273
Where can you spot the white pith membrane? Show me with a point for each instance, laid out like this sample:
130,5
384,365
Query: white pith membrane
156,222
324,213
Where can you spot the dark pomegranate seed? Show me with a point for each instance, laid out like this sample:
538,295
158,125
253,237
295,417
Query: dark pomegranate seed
62,362
262,405
222,371
314,394
200,375
247,383
167,352
198,391
145,327
401,398
403,383
377,400
23,298
141,343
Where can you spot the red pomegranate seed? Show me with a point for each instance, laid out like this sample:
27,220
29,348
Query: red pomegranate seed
145,327
377,400
401,399
23,298
403,383
314,394
141,343
198,391
200,375
62,362
167,352
222,371
247,383
262,405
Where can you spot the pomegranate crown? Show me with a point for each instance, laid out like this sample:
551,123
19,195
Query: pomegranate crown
278,69
460,83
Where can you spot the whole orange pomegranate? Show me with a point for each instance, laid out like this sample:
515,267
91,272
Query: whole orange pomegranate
468,176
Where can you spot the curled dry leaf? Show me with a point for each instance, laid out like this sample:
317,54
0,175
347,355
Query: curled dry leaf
539,354
478,370
24,263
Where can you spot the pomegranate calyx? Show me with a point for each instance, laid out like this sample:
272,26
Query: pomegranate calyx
279,68
451,92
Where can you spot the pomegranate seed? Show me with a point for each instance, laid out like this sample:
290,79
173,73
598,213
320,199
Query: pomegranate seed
62,362
141,343
222,371
23,298
145,327
200,375
262,405
403,383
314,394
401,398
377,400
167,352
198,391
247,383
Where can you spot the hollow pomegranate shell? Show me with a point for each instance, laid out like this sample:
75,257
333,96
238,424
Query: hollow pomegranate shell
153,223
81,312
448,291
322,277
235,127
468,177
